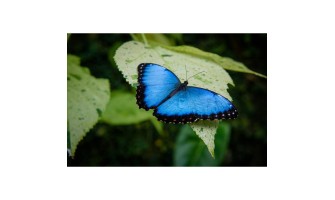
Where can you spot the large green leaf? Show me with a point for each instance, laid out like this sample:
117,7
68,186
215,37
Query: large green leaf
123,110
206,130
131,54
214,77
191,151
155,39
226,63
222,139
87,98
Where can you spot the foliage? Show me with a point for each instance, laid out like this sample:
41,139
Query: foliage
132,53
130,120
226,63
215,78
87,98
190,151
122,110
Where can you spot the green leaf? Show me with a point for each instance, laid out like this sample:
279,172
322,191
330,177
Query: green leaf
226,63
215,78
131,54
157,124
155,39
86,100
123,110
206,130
222,139
191,151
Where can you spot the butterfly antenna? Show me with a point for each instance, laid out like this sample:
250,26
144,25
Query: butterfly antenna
196,74
186,72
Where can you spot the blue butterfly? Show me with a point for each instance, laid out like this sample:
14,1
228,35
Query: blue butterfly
175,102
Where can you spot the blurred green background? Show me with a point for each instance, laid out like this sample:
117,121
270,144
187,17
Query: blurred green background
240,142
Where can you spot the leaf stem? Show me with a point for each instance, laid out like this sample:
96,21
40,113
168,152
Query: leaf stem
144,39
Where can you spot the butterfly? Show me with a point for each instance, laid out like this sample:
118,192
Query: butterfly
175,102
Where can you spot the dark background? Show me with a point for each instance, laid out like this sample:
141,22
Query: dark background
140,144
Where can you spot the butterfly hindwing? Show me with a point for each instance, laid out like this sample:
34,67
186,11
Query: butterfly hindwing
193,103
155,84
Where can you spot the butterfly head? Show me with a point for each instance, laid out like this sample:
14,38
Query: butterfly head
181,87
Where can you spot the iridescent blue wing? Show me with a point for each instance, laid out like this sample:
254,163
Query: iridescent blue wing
155,84
192,103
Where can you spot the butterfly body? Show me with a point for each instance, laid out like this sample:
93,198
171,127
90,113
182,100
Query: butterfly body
176,102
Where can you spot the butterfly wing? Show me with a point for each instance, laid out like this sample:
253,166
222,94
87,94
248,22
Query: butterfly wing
155,84
192,103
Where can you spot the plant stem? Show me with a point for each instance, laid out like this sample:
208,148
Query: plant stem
144,39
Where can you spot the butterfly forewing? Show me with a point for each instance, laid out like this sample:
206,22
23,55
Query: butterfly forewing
155,84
